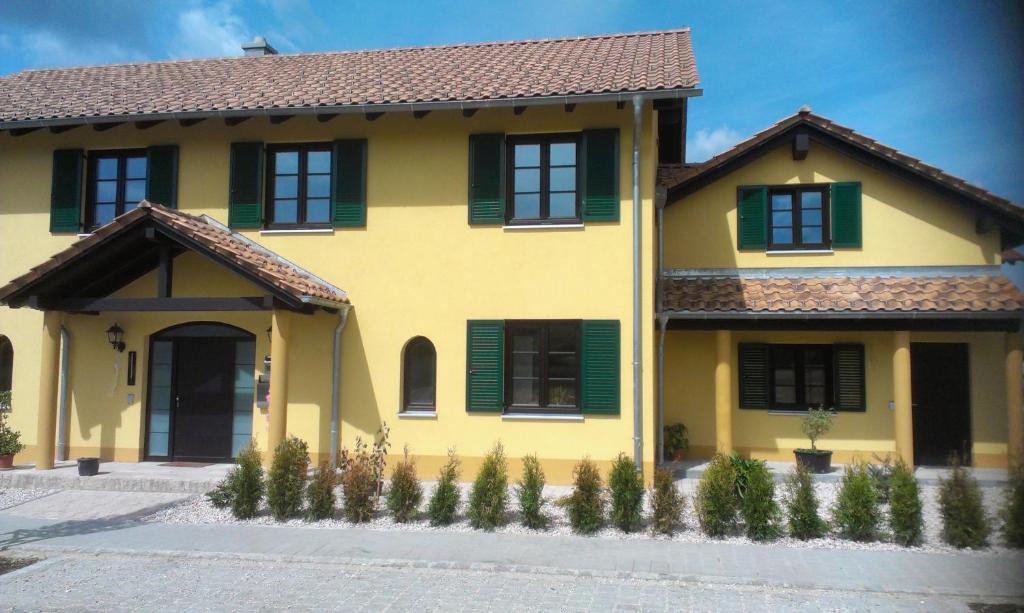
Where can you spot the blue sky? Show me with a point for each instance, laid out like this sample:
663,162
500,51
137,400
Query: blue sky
941,80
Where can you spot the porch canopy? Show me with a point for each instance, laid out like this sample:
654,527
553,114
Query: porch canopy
901,300
83,277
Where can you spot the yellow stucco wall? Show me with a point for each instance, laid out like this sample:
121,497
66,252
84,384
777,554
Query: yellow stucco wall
690,396
417,268
903,224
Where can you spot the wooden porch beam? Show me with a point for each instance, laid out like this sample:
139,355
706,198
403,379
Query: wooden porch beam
325,117
145,125
63,129
279,119
420,114
22,131
469,112
234,121
188,123
244,303
373,116
519,110
103,127
165,273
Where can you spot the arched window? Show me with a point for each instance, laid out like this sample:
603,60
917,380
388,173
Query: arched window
6,364
419,376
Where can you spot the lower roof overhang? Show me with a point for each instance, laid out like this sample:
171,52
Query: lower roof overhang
960,321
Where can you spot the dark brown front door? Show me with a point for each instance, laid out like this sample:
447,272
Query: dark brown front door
940,385
203,399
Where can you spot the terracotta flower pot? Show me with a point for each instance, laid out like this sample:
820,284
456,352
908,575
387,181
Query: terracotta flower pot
678,454
6,462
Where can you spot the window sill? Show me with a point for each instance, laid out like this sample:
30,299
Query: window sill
544,226
542,417
417,415
800,252
273,231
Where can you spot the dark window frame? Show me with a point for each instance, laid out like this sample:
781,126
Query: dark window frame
799,383
407,405
92,181
797,244
543,327
302,177
545,141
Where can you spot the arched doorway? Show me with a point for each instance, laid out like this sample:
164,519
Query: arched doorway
201,392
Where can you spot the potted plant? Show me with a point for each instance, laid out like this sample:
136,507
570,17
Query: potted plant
10,440
676,443
815,424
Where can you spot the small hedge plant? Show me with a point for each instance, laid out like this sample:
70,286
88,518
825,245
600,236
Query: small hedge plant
856,514
585,505
359,483
905,517
242,488
716,501
802,506
287,479
963,517
320,493
667,504
488,500
757,505
444,502
404,492
530,492
627,493
1013,510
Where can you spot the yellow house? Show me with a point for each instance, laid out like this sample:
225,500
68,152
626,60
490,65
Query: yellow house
810,266
455,241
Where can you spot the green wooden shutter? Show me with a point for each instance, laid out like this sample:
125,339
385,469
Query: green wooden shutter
487,178
846,215
752,208
753,375
66,191
600,367
348,183
245,199
485,371
600,162
162,175
848,373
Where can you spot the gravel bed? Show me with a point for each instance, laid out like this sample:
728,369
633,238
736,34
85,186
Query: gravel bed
198,510
12,497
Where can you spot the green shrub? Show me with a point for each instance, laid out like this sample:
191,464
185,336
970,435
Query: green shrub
905,506
247,483
404,492
675,439
220,496
742,467
881,476
488,499
444,502
963,517
716,502
585,505
287,479
667,504
802,506
757,505
10,439
320,493
856,513
530,492
1013,509
360,483
627,493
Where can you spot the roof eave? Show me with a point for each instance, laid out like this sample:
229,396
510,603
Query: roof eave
623,96
843,315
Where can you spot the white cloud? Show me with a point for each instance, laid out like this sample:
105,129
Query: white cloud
706,143
209,31
43,48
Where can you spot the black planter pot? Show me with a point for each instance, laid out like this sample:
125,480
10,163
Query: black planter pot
88,467
816,461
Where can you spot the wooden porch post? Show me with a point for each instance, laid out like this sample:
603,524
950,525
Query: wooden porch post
903,416
723,391
49,379
278,381
1014,416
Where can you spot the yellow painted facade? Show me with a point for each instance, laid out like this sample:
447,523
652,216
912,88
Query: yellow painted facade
417,269
903,225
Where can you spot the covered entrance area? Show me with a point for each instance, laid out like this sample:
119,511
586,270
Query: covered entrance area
941,402
196,304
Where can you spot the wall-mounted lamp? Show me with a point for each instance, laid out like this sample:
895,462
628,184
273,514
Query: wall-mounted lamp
115,336
270,333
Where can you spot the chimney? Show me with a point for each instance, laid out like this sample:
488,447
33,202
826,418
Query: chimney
258,46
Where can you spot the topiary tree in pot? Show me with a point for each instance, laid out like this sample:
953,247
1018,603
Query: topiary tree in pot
817,423
10,439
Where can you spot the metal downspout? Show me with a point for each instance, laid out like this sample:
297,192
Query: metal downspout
336,384
62,402
660,196
638,393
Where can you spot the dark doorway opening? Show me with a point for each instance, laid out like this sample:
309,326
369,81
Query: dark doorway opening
941,391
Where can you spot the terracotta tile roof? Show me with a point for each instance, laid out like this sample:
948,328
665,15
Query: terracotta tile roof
677,176
855,294
637,62
238,250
